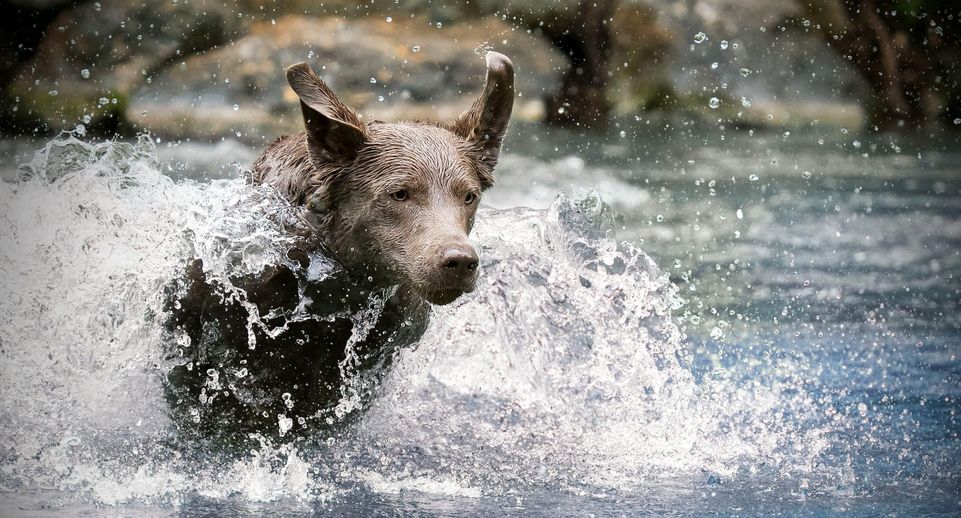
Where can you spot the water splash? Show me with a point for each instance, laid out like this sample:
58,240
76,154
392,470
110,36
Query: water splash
564,368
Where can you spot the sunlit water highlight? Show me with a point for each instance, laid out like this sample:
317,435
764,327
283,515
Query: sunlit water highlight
564,381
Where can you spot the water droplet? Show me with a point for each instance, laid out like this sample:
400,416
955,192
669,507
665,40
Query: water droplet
714,103
623,133
700,37
439,25
723,44
714,66
80,129
745,103
96,6
806,175
739,214
53,93
660,218
380,98
862,409
373,80
754,178
844,131
85,73
284,423
957,121
734,46
236,107
389,19
415,48
745,72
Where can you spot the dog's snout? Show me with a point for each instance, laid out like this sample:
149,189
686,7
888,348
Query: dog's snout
459,260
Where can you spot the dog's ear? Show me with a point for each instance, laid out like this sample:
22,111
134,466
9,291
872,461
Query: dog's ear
485,123
334,132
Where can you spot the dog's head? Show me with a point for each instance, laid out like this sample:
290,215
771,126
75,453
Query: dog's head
396,202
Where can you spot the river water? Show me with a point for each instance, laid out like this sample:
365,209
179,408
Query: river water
670,319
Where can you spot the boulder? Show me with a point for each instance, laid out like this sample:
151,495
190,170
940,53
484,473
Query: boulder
404,68
93,56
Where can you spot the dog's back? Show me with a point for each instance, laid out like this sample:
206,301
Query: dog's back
285,166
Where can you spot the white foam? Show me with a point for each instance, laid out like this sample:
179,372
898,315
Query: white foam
564,368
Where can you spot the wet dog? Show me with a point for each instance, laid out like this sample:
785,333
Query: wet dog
392,204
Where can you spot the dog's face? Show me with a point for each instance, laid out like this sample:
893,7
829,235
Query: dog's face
396,202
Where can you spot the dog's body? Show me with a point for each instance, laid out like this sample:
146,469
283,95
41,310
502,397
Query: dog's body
392,204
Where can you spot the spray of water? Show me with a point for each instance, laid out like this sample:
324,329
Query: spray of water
563,369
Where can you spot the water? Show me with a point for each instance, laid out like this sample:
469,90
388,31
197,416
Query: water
790,346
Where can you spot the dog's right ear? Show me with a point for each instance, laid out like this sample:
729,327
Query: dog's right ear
334,132
485,123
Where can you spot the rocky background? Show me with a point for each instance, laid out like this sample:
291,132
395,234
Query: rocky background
200,69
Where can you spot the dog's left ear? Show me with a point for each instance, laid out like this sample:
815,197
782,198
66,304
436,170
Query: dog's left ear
485,123
334,131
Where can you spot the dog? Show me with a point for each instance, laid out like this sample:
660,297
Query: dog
392,204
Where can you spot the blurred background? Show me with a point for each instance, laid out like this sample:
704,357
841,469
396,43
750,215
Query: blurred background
204,69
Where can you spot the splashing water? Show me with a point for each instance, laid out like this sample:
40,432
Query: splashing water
564,369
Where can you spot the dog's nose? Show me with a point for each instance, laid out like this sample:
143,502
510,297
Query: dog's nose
460,261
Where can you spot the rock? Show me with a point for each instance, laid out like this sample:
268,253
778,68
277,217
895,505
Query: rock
94,55
407,68
751,51
188,68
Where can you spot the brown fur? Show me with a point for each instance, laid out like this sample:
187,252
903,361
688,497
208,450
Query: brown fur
347,174
344,171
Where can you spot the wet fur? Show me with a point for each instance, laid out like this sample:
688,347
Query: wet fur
343,172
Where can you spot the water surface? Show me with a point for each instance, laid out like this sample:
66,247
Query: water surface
754,324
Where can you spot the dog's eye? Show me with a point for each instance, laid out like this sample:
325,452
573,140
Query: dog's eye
470,198
400,195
